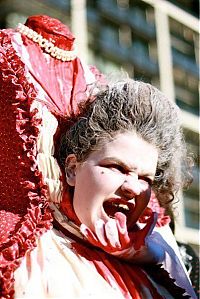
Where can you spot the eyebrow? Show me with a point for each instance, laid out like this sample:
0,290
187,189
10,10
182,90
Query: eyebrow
127,167
118,161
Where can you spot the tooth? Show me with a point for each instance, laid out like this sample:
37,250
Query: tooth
123,206
132,200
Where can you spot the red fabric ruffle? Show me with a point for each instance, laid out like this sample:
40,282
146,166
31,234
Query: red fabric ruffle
24,212
154,206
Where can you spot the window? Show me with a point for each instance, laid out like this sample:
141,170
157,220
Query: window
191,196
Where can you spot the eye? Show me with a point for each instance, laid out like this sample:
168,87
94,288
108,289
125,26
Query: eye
159,175
116,167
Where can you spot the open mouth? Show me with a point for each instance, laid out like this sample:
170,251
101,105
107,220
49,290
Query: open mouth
115,205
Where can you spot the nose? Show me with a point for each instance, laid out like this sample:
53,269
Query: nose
131,186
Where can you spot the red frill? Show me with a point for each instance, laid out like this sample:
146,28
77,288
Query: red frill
154,206
24,212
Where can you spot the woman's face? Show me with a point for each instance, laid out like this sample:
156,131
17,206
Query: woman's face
115,178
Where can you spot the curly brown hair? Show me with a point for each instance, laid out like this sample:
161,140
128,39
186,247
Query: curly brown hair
130,105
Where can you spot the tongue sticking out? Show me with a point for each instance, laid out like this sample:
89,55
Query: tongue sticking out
131,210
113,206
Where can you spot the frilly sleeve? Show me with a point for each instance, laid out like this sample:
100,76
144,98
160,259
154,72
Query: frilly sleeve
37,93
23,208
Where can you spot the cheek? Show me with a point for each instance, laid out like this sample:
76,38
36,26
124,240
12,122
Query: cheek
144,185
146,191
108,178
98,180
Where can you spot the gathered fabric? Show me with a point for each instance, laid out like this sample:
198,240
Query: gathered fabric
86,271
26,99
155,258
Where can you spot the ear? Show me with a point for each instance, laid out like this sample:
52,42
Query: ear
70,169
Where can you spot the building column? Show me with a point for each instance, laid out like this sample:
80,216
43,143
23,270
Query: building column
79,27
164,53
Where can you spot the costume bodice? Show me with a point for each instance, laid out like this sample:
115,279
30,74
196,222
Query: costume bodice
61,267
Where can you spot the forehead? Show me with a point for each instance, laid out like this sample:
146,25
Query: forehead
131,149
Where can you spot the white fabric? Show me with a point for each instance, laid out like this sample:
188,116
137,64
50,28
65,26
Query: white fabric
53,270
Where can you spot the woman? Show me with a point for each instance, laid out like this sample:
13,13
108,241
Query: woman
121,166
125,149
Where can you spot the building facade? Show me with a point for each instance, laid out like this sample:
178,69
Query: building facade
157,42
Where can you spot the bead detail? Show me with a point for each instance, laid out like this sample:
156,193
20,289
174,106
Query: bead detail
46,45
